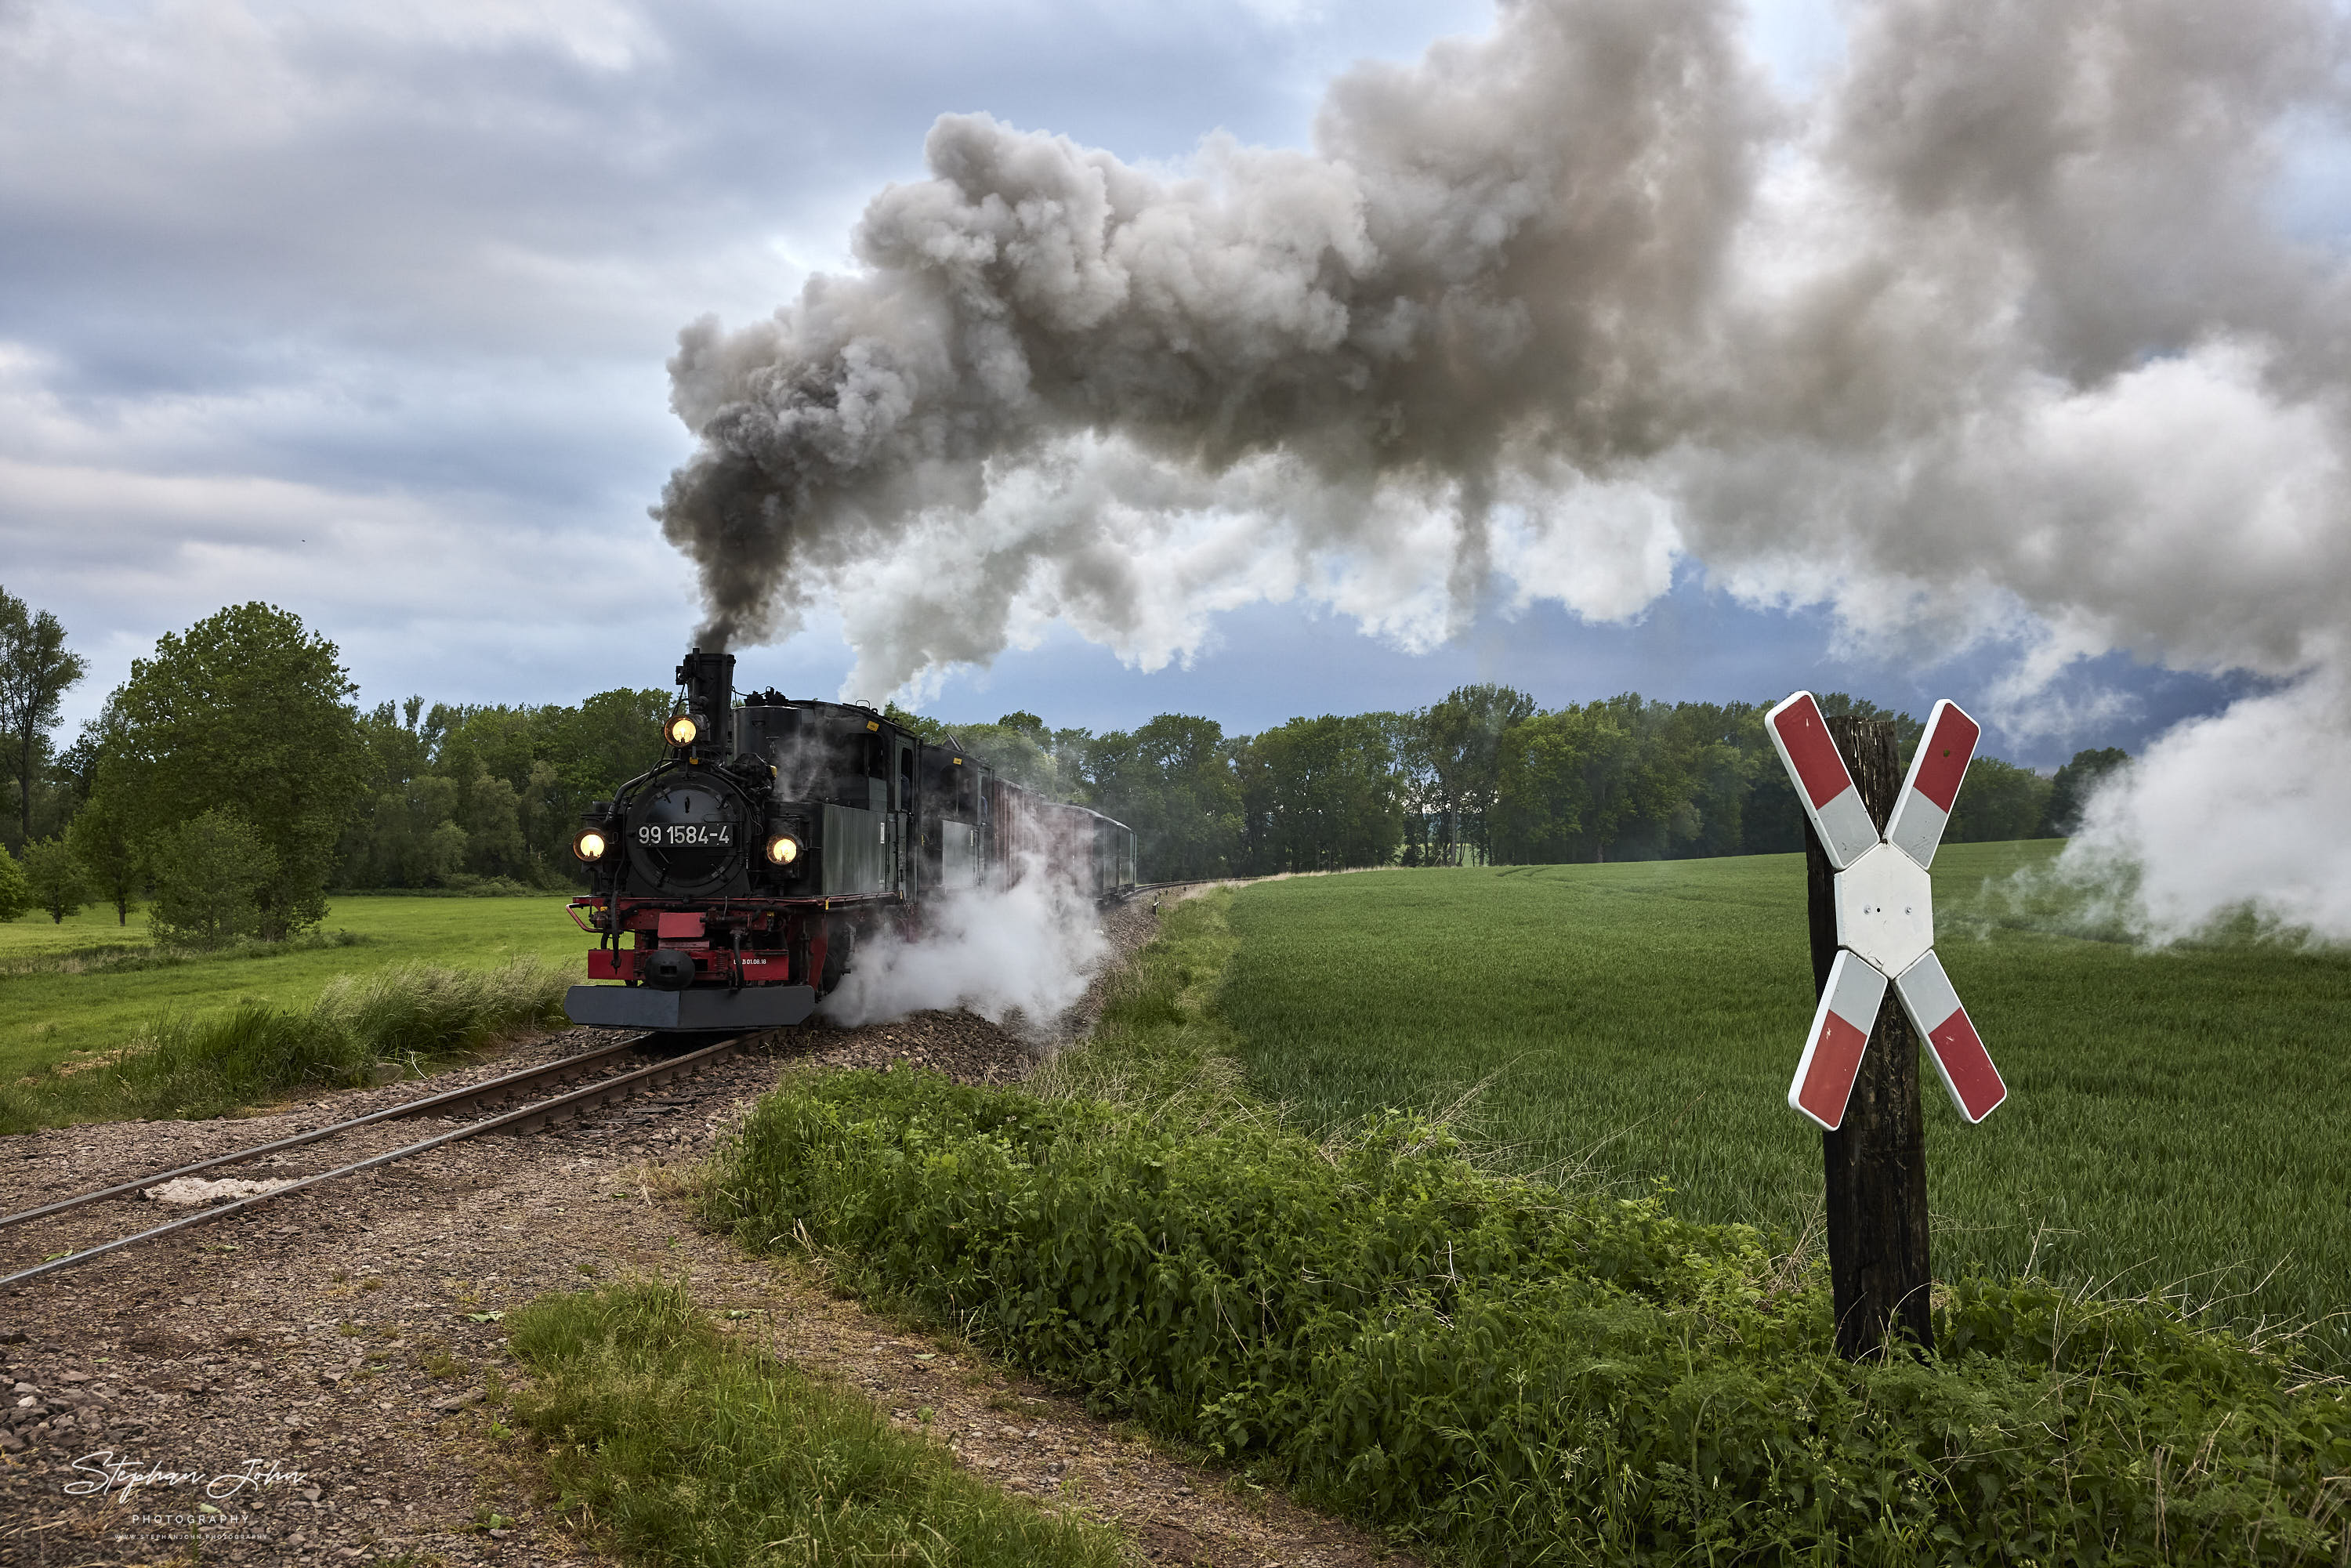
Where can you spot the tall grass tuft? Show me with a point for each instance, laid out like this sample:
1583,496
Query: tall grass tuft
361,1027
689,1450
417,1010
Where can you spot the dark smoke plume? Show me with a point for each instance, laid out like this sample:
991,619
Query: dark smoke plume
1996,337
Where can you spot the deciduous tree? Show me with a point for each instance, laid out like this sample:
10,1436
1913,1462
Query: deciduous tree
1172,781
15,893
56,878
1322,794
37,669
247,713
2000,801
2070,790
108,846
1459,741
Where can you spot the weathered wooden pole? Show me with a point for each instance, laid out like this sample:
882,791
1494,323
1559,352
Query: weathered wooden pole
1876,1159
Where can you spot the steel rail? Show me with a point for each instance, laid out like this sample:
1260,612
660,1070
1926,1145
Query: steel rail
526,1118
1136,890
499,1088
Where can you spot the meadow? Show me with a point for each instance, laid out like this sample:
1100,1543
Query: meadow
2178,1122
82,989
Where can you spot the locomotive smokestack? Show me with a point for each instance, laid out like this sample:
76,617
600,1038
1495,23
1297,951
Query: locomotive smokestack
709,683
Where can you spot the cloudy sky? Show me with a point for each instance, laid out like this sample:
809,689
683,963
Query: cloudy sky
364,310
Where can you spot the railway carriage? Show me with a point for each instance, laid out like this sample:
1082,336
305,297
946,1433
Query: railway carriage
732,884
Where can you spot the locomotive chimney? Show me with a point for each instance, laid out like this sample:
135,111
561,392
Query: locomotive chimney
709,683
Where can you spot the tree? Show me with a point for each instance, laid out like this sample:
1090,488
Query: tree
1021,753
1568,784
1906,730
36,669
56,879
210,874
1322,794
1172,781
1458,743
108,849
245,712
2070,790
1999,802
16,893
451,791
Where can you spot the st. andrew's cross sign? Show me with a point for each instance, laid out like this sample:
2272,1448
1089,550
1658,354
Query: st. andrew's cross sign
1885,912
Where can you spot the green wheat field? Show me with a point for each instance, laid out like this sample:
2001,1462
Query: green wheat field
2179,1121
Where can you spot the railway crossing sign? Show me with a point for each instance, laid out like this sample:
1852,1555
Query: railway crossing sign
1885,912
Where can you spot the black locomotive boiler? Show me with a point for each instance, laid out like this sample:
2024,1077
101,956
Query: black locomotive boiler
733,883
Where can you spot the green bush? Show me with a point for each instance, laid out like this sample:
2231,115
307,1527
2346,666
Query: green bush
690,1450
1517,1374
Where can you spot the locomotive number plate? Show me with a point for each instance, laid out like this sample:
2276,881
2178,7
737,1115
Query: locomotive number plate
687,835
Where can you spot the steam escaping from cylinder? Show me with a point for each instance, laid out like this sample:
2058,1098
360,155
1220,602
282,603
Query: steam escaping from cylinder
1020,956
2001,335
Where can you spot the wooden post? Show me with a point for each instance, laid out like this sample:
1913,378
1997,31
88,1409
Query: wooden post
1875,1161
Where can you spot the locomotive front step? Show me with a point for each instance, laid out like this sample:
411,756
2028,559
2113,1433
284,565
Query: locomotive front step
699,1007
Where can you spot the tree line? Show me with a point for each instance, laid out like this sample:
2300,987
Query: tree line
232,781
1484,777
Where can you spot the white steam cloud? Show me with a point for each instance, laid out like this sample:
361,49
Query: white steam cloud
1022,953
1998,335
2218,812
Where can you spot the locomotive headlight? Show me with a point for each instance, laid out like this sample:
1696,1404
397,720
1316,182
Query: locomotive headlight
589,845
680,730
783,850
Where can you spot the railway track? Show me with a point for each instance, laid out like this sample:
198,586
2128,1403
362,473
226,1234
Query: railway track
497,1091
1128,895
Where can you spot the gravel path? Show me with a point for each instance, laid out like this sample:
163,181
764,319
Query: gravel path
317,1380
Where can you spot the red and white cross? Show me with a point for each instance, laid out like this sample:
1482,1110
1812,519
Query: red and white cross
1885,912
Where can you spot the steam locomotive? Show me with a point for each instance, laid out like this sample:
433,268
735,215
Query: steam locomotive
732,885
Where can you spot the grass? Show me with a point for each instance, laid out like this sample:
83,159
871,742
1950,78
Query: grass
2176,1123
385,1022
88,988
684,1448
1499,1369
